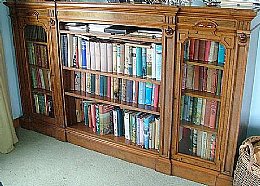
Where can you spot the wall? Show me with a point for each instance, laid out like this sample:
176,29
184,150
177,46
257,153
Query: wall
6,31
254,117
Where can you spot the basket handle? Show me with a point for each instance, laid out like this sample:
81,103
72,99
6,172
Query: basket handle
251,153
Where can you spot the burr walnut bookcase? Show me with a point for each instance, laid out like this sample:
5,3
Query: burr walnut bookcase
203,62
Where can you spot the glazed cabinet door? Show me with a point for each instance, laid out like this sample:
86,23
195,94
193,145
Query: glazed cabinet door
38,68
202,89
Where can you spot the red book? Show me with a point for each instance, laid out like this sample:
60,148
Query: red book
191,49
196,78
196,50
201,79
93,117
205,76
202,46
89,117
207,51
207,113
214,81
156,95
109,87
213,114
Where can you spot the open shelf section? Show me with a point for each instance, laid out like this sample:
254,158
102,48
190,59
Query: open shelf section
120,38
133,78
43,91
190,125
206,64
123,105
199,94
81,127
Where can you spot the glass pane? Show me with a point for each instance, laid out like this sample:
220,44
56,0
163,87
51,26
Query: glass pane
202,72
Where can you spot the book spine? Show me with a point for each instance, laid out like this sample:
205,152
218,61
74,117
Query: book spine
196,49
153,60
75,61
97,56
79,52
120,121
130,61
109,57
149,62
127,125
115,122
134,60
213,114
93,80
139,62
92,56
141,93
97,119
192,49
133,123
101,86
103,55
221,54
109,87
158,62
123,92
97,85
144,61
114,45
127,59
202,47
88,55
129,91
190,73
148,93
207,51
83,48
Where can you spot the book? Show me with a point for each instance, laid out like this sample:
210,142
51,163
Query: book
127,59
139,65
83,52
134,60
103,57
196,49
141,93
92,55
129,91
109,57
127,125
114,50
120,29
147,120
144,61
148,93
191,49
97,56
149,61
221,54
202,47
158,59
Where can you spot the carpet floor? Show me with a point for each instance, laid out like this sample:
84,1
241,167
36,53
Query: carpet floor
39,160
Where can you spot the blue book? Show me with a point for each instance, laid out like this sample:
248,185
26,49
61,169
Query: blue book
139,65
105,86
120,122
83,53
64,49
129,91
144,68
92,82
147,120
221,54
148,93
101,86
85,109
158,61
141,93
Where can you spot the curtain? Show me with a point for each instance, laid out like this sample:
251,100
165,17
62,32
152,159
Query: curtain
7,133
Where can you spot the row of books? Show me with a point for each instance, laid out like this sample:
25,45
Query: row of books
35,33
40,78
205,51
37,54
43,104
137,127
107,56
142,93
202,79
197,143
200,111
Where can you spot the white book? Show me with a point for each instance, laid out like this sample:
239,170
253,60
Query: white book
97,85
134,60
112,88
42,78
149,62
70,48
88,54
127,58
134,92
127,125
157,134
142,131
153,61
199,143
204,145
97,56
203,111
92,56
115,122
114,57
36,103
88,83
109,57
103,54
80,51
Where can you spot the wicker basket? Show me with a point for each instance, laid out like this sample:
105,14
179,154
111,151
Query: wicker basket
247,170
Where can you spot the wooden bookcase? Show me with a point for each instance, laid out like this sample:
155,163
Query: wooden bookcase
196,142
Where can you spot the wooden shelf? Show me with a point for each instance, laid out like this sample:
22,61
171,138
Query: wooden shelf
123,105
36,42
206,64
42,91
133,78
199,94
121,38
190,125
38,66
81,127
